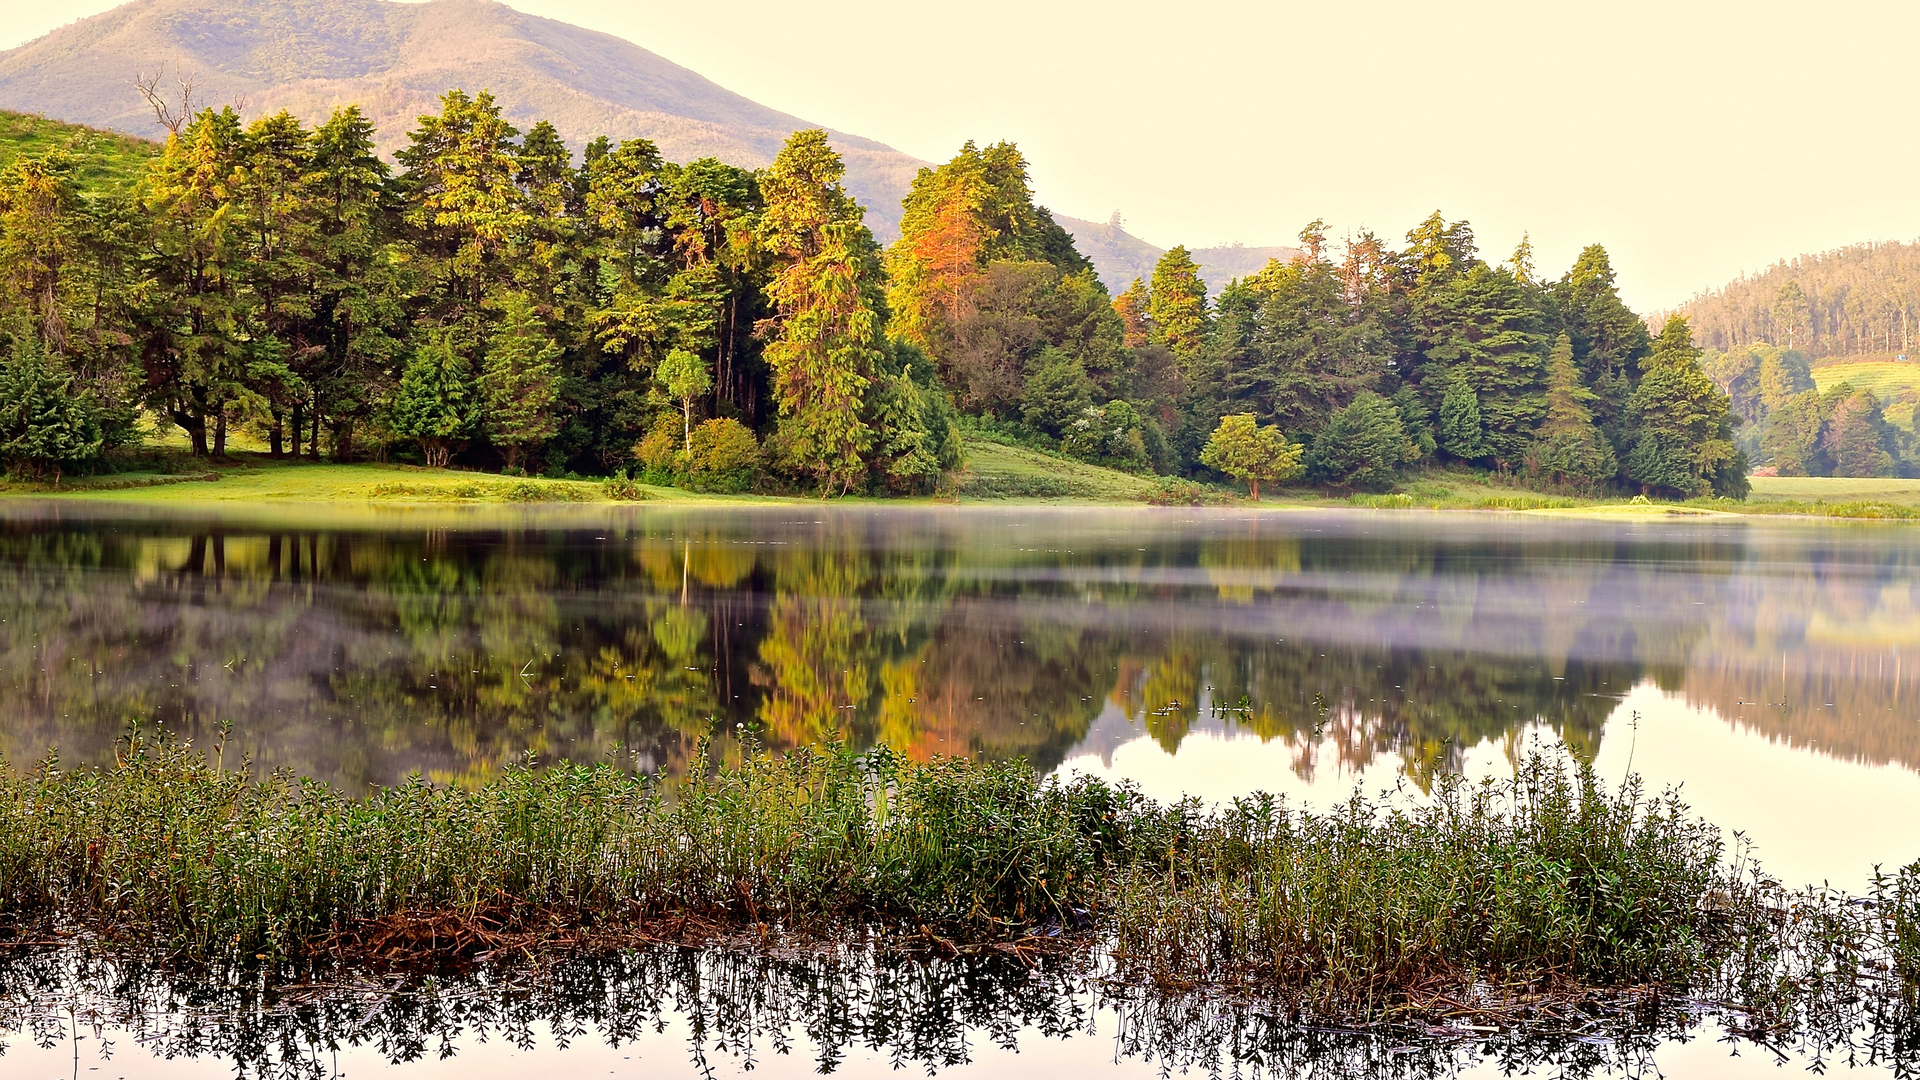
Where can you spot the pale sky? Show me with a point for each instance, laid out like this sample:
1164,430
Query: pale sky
1696,139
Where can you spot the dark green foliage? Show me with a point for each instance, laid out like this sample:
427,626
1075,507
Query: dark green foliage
1057,391
1681,428
44,426
1462,433
1362,446
1571,450
436,402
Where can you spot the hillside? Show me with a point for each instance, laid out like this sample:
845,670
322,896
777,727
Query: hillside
395,60
1896,384
1859,300
108,161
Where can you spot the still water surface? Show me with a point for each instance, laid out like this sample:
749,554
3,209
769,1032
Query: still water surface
1769,668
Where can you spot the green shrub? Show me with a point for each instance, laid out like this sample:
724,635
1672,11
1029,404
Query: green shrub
726,457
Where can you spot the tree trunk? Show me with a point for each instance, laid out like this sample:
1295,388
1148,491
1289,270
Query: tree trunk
220,435
1254,486
315,442
298,427
276,437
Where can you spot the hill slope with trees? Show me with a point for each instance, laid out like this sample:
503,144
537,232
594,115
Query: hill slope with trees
1862,300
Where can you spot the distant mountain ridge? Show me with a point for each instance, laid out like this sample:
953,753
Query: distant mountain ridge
395,60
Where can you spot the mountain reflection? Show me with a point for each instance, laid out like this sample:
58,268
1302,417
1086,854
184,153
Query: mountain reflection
361,653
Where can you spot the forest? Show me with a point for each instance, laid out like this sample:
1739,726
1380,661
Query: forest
495,300
1848,302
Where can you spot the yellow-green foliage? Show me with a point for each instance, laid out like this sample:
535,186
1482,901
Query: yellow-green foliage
109,162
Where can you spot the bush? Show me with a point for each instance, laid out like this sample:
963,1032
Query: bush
44,426
1361,446
622,489
726,457
659,451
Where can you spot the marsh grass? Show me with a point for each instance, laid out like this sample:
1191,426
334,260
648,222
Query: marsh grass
1495,900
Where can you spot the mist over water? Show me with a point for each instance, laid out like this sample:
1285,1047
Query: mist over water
1764,667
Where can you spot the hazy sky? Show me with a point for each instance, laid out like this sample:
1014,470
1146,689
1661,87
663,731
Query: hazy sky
1696,139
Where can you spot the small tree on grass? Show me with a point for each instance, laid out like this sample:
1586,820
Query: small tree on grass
1246,451
686,378
44,425
436,403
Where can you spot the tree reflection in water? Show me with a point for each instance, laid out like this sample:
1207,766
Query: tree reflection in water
359,653
737,1008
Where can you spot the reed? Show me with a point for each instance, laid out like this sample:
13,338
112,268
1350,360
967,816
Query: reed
1483,899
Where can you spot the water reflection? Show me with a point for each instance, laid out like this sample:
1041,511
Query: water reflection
677,1012
360,653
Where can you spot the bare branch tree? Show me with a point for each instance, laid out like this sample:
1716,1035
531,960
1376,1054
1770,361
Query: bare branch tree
164,111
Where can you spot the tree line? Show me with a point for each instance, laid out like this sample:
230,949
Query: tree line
1858,300
1793,428
497,300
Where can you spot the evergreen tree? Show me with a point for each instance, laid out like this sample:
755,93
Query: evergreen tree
1057,391
1609,341
825,288
434,402
1791,440
1132,307
1462,434
465,211
1177,305
1416,423
1681,425
1571,450
1244,450
44,425
359,287
1856,439
1362,446
518,382
198,362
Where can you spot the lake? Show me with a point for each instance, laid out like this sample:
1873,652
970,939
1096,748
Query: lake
1768,668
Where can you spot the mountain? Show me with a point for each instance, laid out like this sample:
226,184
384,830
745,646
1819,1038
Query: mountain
1119,256
394,60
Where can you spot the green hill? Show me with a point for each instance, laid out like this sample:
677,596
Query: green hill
1895,383
109,161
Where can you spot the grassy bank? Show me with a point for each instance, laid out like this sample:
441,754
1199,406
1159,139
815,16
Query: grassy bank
1487,898
995,472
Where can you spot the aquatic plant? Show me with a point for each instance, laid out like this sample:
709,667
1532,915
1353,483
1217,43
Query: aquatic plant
1498,899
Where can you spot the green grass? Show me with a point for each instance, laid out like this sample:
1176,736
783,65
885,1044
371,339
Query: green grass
262,480
996,470
1476,903
109,162
1888,379
1836,489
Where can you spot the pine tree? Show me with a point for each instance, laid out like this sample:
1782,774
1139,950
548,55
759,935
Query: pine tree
1177,305
1681,425
464,207
44,425
518,384
1362,446
1462,434
826,290
1571,450
1609,340
435,403
1132,307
